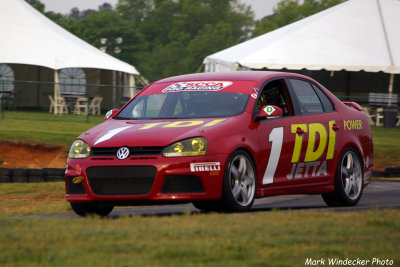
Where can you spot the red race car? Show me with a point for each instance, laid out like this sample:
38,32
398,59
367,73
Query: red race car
220,140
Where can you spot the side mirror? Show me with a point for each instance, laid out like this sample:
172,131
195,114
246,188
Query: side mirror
111,114
269,111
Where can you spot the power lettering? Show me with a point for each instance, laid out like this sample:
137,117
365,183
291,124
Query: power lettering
353,125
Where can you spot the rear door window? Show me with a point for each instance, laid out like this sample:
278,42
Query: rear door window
308,101
326,102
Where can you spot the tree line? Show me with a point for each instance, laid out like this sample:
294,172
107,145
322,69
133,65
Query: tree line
163,38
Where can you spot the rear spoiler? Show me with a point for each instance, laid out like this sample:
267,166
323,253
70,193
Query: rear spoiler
353,105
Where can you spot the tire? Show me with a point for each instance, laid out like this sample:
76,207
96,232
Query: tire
239,185
349,180
19,175
5,175
4,172
91,209
53,174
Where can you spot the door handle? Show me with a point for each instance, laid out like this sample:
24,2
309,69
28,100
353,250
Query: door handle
299,131
335,127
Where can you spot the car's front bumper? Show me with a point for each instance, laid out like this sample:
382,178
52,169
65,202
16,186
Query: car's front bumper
147,178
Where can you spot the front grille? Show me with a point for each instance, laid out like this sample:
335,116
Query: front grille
133,151
182,184
121,180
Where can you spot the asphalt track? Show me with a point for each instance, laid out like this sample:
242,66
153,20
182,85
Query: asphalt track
379,194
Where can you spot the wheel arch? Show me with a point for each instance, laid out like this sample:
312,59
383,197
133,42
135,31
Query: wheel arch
359,153
356,147
358,137
230,144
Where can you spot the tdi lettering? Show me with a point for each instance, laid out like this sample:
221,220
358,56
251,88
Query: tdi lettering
327,139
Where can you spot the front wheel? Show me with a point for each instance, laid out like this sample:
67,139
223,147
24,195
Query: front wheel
239,182
349,180
83,209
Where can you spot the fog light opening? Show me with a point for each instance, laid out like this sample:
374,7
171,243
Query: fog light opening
77,180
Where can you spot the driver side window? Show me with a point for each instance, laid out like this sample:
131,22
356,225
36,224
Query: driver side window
275,93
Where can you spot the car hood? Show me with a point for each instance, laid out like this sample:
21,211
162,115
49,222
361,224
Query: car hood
133,133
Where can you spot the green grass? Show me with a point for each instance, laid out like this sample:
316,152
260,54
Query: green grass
386,145
45,116
386,137
276,238
32,198
42,127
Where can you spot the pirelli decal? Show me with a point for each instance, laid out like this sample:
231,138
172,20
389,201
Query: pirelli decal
205,167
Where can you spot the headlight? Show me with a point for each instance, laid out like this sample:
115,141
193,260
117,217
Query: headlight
79,150
190,147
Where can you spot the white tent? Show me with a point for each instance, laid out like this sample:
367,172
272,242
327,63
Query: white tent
28,37
355,35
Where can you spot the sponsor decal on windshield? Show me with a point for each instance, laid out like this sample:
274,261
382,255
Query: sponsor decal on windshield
197,86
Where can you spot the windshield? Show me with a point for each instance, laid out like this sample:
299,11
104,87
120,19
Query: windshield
185,105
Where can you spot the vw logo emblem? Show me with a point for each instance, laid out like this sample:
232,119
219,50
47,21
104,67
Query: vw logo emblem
123,153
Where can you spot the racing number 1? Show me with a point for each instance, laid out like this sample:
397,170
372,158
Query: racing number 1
276,138
312,153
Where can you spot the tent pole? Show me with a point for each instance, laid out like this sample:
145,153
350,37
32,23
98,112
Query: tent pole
390,89
56,91
38,87
389,50
114,96
348,81
132,85
200,68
